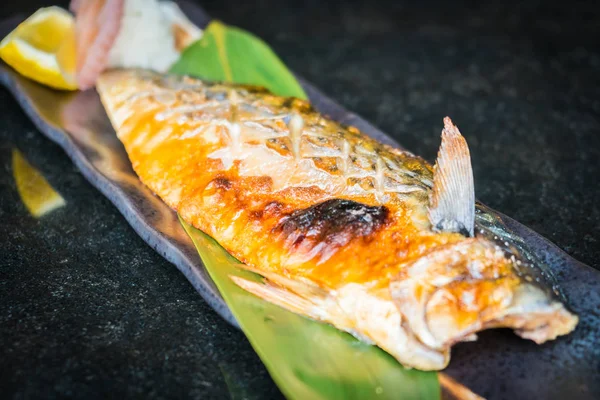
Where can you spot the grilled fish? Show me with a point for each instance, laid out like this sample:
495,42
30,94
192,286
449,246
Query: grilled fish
344,229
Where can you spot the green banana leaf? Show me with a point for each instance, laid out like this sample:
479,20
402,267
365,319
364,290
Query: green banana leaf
229,54
306,359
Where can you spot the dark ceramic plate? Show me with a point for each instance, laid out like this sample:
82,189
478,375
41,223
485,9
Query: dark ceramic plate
499,365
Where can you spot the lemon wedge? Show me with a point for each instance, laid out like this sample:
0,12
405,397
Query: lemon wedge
42,48
35,191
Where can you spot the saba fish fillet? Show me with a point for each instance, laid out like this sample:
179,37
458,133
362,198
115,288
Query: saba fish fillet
344,229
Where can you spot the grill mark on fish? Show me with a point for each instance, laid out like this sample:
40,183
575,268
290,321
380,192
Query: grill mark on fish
330,225
271,209
222,183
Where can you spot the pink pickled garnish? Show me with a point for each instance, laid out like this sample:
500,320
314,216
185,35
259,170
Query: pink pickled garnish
74,6
97,24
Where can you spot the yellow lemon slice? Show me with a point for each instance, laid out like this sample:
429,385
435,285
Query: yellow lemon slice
35,191
42,48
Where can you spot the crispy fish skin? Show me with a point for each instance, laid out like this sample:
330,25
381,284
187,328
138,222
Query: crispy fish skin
337,223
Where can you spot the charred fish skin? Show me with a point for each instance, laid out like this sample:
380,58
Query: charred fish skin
344,229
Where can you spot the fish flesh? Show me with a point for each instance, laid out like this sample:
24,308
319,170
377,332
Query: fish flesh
345,230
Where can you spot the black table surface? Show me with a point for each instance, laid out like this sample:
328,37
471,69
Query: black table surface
88,310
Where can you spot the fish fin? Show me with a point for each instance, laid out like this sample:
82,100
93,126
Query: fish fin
279,296
452,200
298,285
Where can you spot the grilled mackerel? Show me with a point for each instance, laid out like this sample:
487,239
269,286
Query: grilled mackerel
344,229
